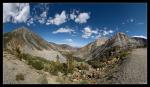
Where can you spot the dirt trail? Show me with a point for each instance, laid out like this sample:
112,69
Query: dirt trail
134,68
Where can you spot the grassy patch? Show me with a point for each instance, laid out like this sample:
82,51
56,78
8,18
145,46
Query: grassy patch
84,82
37,65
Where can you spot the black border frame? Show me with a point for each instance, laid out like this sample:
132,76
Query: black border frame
81,1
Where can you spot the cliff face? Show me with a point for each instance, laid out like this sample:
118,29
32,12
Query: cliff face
86,50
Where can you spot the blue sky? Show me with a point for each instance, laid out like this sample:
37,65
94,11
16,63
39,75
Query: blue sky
76,24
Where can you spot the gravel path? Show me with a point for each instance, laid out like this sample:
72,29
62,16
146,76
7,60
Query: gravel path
134,69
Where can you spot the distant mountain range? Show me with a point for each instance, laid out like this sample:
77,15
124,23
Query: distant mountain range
30,42
63,47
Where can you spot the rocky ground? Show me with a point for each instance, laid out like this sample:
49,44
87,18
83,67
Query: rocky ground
12,67
133,70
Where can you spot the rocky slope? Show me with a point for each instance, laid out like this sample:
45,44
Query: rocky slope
104,47
29,42
86,50
18,72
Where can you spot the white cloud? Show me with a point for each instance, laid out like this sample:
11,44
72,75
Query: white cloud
110,31
127,31
41,20
99,35
82,18
131,20
49,21
63,30
95,31
72,16
44,14
30,21
59,19
88,32
15,12
123,23
43,17
92,37
69,40
141,36
105,32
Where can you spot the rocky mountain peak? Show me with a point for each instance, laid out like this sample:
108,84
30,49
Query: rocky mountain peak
120,39
100,41
22,30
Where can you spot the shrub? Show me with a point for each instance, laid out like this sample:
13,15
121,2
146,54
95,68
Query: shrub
53,68
70,63
38,65
123,54
46,67
30,62
82,66
19,76
96,64
27,57
18,53
63,68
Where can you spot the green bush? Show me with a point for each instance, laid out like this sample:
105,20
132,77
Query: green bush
70,63
18,53
63,68
53,68
27,57
38,65
30,62
123,54
96,64
46,67
19,76
82,66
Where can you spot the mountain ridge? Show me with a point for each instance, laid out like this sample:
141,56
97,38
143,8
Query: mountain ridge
30,42
26,39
